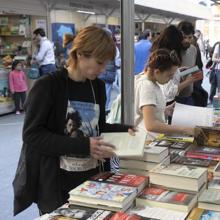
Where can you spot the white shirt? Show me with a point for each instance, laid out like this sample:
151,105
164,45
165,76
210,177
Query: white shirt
170,89
45,55
216,52
147,93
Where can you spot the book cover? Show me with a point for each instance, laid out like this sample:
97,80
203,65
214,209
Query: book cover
83,213
172,144
126,216
210,196
217,170
202,214
204,152
188,71
207,136
214,184
159,213
121,179
178,159
166,196
93,191
127,145
179,170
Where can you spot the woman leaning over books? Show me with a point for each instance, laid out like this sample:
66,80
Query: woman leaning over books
150,105
65,114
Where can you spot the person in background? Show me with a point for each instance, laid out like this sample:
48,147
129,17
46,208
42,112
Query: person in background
44,53
215,80
58,157
110,75
171,38
199,95
18,85
188,59
142,51
150,104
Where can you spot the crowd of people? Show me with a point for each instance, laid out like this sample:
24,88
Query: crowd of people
65,111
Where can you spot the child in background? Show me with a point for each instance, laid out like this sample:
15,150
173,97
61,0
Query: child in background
18,85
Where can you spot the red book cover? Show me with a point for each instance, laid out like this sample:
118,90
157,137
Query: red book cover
125,216
166,196
122,179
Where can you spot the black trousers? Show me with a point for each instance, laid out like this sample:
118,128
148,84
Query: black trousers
19,98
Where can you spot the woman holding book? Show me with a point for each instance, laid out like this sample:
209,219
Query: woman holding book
65,114
150,103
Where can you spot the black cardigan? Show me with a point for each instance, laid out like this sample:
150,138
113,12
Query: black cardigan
44,140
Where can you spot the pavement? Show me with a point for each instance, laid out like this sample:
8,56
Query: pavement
10,146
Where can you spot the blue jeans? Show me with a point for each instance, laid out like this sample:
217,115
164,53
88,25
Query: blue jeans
47,69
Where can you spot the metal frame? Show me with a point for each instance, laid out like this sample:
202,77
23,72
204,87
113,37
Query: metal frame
127,57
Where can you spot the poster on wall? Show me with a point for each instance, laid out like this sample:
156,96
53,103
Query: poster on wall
41,23
58,31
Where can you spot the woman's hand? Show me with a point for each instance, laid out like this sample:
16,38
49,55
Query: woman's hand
188,131
169,109
132,131
100,149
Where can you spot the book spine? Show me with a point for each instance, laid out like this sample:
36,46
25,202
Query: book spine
203,156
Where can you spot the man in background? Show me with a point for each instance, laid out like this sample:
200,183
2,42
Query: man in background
44,52
188,56
142,51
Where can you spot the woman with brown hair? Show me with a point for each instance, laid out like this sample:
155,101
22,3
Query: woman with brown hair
54,161
150,104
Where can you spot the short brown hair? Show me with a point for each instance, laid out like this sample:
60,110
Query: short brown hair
94,42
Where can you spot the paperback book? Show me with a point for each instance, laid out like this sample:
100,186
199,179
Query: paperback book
132,180
164,198
209,199
214,184
127,145
103,195
185,177
203,214
204,152
171,144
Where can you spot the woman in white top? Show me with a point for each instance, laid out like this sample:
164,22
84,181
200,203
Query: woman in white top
150,103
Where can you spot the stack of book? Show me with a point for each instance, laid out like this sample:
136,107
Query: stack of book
153,155
182,177
139,182
74,212
165,198
103,195
209,199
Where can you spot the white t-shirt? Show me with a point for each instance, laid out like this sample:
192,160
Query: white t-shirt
170,89
147,93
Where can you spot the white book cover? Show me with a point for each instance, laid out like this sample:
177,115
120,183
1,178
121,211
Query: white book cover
191,116
159,213
179,170
127,145
210,196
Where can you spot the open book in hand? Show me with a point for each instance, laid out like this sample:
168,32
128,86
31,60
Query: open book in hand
191,116
127,145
